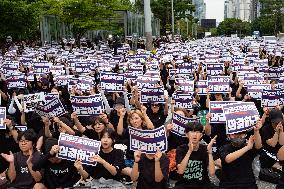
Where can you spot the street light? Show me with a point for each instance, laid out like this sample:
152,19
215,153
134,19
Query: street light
173,19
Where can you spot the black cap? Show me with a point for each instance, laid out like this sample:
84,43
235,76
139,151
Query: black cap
276,116
120,100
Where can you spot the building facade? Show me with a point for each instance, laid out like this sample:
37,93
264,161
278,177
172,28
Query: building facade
200,9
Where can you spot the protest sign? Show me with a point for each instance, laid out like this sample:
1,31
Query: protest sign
281,83
62,80
183,100
179,124
2,117
9,68
185,68
87,105
148,141
255,90
73,148
184,85
50,96
147,81
150,95
214,69
201,85
112,82
272,98
219,84
253,79
54,108
17,80
57,70
21,128
216,111
274,73
83,67
41,67
240,117
31,100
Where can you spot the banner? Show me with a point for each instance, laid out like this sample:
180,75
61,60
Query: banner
2,117
274,73
9,68
148,141
16,81
183,100
50,96
150,95
202,86
240,117
74,147
87,105
219,84
57,70
51,109
21,128
253,79
255,91
214,69
62,80
83,67
179,124
272,98
112,82
31,101
216,110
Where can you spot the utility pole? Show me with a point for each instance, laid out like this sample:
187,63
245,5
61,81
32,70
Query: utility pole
173,19
148,25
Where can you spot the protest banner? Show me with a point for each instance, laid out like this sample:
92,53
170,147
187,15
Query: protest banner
151,95
87,105
83,67
148,141
57,70
73,148
255,90
219,84
54,108
85,83
31,100
183,100
62,80
272,98
253,79
50,96
281,83
202,86
185,68
216,111
9,68
147,81
240,117
41,67
274,73
179,124
17,80
184,85
2,117
172,72
214,69
112,82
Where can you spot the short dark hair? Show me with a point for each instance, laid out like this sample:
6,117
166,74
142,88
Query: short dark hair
194,126
29,135
111,133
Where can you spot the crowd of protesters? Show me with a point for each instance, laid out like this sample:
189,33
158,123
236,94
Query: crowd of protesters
28,158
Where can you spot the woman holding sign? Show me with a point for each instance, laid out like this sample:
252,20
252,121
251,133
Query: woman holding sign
110,162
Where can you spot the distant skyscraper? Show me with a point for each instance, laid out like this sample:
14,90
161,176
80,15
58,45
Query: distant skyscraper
200,9
246,10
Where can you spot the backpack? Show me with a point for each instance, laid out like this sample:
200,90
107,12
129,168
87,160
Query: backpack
270,175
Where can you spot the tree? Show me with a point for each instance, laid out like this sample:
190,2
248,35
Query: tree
84,15
234,26
19,19
162,10
270,21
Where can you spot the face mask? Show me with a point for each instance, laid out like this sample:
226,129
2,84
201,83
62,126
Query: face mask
238,142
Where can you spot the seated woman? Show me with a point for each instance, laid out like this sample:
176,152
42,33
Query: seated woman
110,162
20,171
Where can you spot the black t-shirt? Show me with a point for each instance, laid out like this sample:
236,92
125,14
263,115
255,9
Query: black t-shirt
146,179
24,179
115,158
239,173
174,141
114,119
280,184
195,174
62,174
267,133
158,119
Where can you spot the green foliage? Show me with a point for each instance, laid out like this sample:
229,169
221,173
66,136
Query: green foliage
162,10
232,26
19,19
270,21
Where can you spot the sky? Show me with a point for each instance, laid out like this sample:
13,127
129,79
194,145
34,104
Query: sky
215,9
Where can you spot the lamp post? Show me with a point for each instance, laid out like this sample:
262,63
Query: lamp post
173,18
148,25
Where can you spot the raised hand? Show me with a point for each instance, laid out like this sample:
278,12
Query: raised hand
54,150
97,158
8,157
78,165
209,146
74,116
250,142
137,156
158,155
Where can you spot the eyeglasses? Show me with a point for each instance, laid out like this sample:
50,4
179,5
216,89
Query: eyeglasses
23,141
